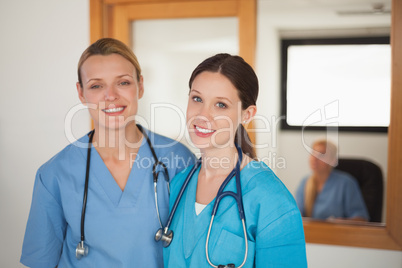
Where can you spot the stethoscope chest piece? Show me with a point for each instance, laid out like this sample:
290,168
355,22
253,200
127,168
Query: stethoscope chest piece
165,236
81,250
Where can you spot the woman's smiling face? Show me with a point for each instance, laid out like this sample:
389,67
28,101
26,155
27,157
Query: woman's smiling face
214,111
110,89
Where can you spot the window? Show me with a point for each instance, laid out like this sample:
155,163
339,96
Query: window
337,82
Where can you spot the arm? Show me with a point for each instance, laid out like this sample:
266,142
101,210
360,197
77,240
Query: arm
45,229
281,243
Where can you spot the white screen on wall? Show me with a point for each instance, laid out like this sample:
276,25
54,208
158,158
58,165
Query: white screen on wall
343,85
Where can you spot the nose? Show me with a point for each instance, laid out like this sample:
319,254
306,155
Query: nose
111,93
205,112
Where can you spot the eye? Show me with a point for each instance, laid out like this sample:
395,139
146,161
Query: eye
221,105
125,83
197,99
95,86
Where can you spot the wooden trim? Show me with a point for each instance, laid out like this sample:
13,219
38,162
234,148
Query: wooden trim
118,2
394,189
247,13
96,20
121,24
193,9
370,235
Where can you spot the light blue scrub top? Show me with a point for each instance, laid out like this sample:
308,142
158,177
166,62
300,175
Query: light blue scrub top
273,222
340,198
119,226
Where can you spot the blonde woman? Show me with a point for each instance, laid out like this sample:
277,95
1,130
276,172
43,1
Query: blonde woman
328,193
94,205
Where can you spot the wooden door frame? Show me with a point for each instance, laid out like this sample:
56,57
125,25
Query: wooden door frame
113,18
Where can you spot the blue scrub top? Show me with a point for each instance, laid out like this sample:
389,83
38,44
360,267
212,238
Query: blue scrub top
273,222
340,198
119,225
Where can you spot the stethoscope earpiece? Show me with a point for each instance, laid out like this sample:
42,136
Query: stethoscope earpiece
81,250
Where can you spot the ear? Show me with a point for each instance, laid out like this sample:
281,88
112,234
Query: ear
80,92
141,87
248,114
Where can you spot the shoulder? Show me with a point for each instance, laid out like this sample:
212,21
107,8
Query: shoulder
267,199
260,179
163,143
72,151
341,177
61,166
69,159
259,173
302,185
181,176
173,152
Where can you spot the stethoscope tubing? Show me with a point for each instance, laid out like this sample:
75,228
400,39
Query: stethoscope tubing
207,243
155,174
239,201
181,192
84,201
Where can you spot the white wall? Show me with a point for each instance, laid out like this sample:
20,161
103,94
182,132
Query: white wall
41,42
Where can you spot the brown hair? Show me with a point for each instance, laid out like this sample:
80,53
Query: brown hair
244,79
105,47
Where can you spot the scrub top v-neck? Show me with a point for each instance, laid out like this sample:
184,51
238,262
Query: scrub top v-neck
130,195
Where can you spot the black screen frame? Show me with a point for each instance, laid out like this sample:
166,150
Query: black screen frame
286,42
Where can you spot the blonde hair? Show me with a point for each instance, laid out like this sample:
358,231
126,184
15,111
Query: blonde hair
105,47
310,194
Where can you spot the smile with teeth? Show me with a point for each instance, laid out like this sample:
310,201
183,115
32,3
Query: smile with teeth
204,130
113,110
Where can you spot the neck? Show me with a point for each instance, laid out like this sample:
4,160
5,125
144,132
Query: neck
117,143
217,161
322,176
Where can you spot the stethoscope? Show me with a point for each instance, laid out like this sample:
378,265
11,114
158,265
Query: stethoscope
82,249
166,235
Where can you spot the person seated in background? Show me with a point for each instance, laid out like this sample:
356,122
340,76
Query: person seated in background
329,193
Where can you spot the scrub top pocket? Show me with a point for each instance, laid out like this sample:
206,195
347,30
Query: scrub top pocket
230,248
